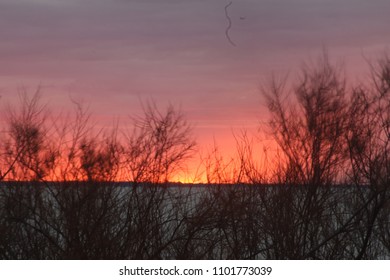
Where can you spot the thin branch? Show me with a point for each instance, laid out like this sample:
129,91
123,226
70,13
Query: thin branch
229,25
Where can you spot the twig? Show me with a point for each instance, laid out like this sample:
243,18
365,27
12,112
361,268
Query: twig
229,25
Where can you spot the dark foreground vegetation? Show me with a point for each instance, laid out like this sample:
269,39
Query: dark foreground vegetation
81,221
327,195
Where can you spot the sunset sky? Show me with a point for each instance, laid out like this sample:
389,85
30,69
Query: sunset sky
111,54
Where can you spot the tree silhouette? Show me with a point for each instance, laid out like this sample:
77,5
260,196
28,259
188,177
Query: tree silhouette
158,146
311,135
